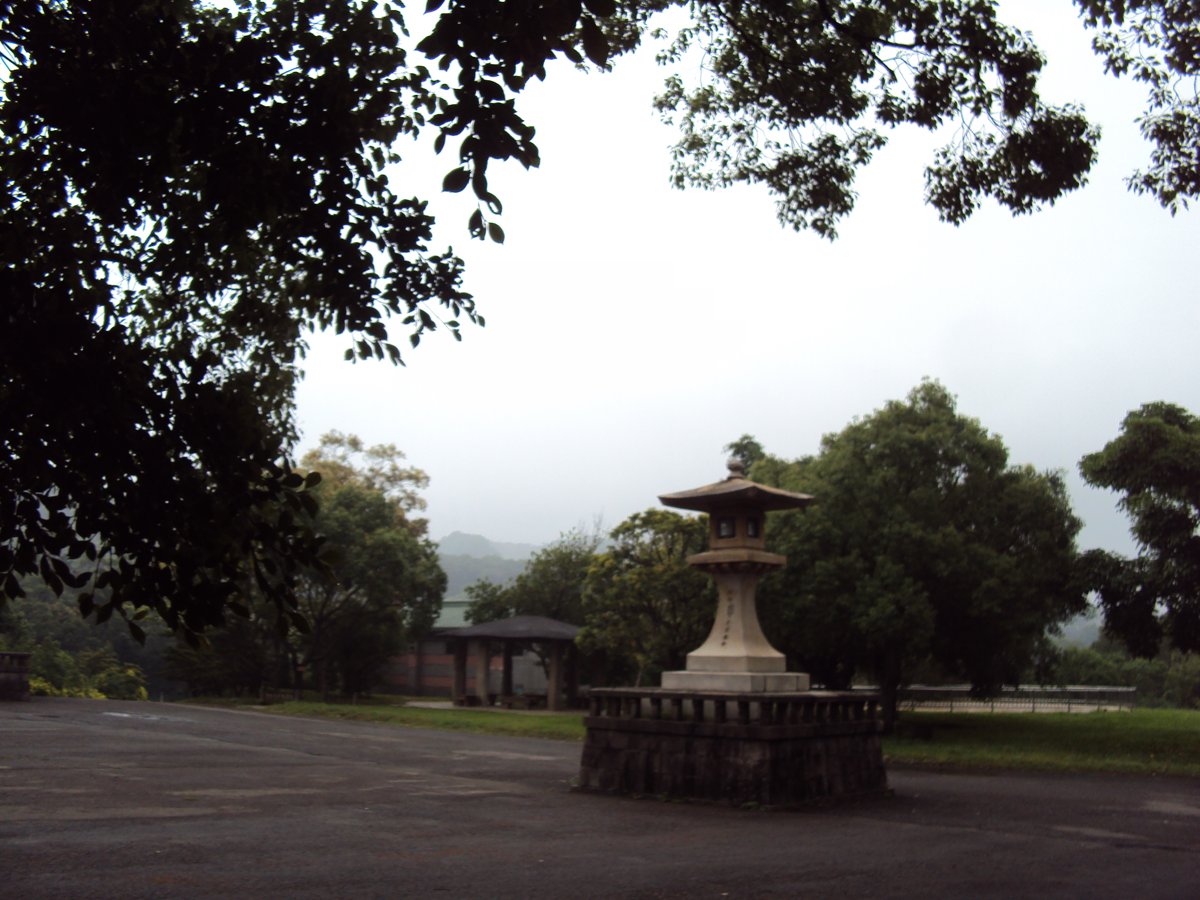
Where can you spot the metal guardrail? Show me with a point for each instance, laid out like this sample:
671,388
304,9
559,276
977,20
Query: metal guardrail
1023,698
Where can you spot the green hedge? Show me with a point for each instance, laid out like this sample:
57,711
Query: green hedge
1169,680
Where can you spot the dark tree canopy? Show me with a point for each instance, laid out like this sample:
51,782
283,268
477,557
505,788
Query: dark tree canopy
1154,463
190,188
924,546
798,95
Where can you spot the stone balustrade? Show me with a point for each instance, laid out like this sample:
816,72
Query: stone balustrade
813,708
763,748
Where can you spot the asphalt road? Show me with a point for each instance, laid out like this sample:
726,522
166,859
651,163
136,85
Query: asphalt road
111,799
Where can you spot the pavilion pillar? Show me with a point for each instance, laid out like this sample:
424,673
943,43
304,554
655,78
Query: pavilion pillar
554,689
416,672
458,692
572,669
483,659
506,681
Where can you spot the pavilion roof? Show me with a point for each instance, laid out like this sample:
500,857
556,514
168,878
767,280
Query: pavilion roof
518,628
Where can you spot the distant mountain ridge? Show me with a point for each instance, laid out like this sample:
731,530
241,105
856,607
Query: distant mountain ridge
459,543
468,558
464,571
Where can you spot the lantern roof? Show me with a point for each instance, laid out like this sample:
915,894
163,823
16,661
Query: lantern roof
736,490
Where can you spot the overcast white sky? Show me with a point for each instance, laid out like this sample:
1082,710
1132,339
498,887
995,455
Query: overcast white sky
633,330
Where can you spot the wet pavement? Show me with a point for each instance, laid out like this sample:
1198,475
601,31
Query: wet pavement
112,799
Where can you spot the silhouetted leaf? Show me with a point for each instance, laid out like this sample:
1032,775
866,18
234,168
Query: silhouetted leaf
456,180
595,44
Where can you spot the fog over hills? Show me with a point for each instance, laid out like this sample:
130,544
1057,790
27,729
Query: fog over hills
459,543
468,558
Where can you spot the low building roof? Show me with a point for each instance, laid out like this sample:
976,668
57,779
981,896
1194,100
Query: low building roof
518,628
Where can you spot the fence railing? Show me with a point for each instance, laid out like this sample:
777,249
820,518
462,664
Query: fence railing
1023,698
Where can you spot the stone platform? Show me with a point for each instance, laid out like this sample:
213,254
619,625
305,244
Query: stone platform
14,675
737,682
768,749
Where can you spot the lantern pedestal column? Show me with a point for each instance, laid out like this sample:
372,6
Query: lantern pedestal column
737,655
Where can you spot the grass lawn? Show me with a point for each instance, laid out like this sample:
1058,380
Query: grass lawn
521,724
1145,741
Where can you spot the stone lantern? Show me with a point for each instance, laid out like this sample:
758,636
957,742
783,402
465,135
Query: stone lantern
737,655
734,726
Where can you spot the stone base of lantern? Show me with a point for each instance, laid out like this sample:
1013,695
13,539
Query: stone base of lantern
737,682
767,749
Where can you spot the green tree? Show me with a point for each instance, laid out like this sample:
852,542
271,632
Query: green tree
1154,463
347,462
381,585
175,225
490,602
384,584
1182,683
241,658
551,584
643,604
746,450
41,619
1172,678
924,546
95,674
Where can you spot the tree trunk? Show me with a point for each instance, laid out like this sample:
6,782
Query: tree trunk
889,689
323,679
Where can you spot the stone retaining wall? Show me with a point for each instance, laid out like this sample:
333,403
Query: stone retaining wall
762,749
14,675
